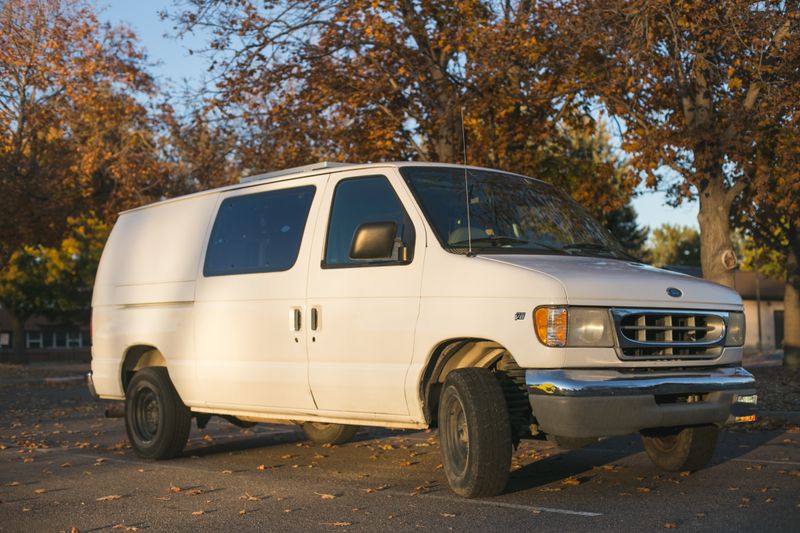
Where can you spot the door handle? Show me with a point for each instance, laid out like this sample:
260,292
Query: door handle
314,319
298,320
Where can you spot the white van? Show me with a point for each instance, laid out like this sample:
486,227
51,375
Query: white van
410,295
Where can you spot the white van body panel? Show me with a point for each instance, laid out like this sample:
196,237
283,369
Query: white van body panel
229,341
144,291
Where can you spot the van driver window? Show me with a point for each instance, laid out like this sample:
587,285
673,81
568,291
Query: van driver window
360,200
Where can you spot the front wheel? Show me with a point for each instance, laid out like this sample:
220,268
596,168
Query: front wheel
156,420
474,433
681,449
322,433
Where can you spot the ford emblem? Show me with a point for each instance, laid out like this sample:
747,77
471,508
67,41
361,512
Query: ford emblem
675,293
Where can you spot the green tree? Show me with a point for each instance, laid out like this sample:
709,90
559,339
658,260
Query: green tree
623,225
53,281
675,245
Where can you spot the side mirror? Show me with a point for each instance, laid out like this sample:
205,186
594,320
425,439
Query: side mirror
373,240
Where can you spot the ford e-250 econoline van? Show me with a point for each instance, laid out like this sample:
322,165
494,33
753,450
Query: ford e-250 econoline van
410,295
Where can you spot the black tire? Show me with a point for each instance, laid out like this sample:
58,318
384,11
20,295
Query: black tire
474,433
681,449
156,419
323,433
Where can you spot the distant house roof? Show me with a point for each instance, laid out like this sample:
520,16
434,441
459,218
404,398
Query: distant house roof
752,285
744,283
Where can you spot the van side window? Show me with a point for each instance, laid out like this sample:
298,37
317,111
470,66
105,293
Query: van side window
258,232
360,200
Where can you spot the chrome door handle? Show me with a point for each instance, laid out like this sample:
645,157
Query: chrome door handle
298,319
314,319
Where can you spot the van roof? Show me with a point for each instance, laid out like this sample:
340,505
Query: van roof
323,167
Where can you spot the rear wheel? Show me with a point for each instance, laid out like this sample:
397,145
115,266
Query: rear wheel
474,433
323,433
680,449
156,420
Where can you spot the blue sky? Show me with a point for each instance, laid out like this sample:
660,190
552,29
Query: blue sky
174,64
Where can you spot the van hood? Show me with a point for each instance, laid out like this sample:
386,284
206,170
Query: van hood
612,282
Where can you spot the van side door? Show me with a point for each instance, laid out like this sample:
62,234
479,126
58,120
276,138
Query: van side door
250,343
363,312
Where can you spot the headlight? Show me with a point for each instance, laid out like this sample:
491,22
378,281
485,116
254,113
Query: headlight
574,326
589,326
736,330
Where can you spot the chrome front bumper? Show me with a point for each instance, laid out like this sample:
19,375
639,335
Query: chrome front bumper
604,402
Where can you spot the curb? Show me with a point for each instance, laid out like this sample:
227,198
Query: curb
58,379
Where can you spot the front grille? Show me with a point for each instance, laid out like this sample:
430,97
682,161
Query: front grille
645,334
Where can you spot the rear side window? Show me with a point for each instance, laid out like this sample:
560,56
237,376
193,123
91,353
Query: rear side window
258,232
355,202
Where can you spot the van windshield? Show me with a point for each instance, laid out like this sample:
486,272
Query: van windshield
508,213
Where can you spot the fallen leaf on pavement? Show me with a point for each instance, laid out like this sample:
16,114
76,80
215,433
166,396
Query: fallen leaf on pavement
40,491
109,498
670,525
325,496
197,513
174,488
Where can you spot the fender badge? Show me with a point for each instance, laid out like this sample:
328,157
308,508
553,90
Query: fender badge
675,293
519,316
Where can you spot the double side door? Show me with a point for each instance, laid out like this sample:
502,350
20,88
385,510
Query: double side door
250,297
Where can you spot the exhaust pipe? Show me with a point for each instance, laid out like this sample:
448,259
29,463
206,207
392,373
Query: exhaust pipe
115,410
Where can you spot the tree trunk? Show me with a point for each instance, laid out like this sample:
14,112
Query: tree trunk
19,354
716,248
791,306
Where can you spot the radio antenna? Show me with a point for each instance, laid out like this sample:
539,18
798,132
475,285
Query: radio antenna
466,183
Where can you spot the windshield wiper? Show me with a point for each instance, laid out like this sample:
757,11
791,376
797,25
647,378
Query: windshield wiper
502,239
494,239
594,247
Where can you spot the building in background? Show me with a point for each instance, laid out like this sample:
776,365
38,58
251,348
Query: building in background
45,340
763,308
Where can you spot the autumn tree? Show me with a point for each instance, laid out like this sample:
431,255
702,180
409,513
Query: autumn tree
199,153
75,138
696,83
368,81
770,214
74,135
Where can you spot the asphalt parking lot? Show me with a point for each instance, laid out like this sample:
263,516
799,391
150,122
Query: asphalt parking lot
65,466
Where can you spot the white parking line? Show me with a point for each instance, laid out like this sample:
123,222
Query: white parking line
793,463
507,505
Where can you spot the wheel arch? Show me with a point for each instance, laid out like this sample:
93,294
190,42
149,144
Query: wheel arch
137,357
451,354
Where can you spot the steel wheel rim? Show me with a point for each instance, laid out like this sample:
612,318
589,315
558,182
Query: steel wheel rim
456,434
147,415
